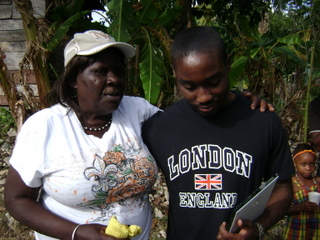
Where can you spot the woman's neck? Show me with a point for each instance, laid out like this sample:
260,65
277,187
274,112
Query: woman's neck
95,125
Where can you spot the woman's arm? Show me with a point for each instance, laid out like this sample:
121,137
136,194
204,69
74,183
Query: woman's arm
258,102
21,202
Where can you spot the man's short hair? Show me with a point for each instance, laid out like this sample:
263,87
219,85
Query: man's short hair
198,39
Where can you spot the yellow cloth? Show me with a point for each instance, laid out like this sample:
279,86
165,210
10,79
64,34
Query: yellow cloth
118,230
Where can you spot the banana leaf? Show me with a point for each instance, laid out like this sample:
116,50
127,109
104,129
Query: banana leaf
151,68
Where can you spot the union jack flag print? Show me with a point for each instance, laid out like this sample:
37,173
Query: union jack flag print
208,181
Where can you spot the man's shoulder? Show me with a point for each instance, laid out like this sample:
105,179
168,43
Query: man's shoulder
162,119
244,112
157,118
244,104
171,109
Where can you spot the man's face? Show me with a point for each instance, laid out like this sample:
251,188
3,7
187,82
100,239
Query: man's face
203,81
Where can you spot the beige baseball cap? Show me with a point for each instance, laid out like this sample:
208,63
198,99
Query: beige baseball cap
92,42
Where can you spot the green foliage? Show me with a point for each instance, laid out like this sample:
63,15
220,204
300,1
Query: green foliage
148,12
270,42
67,18
237,70
6,122
151,68
120,14
137,24
268,61
150,26
64,28
291,39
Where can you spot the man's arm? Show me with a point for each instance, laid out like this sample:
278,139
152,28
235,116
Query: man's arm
278,204
275,210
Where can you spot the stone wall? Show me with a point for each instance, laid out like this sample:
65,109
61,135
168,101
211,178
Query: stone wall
12,37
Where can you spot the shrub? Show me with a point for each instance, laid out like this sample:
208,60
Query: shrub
6,122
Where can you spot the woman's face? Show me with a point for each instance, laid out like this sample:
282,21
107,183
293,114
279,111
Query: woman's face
100,87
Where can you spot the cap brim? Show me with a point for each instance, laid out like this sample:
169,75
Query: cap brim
125,48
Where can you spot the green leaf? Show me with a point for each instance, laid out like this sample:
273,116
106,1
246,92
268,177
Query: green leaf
291,39
119,33
120,12
316,74
151,68
167,17
237,69
148,12
64,28
287,52
74,6
254,52
63,11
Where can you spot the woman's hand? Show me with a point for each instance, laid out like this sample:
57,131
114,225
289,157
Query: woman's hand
94,232
258,102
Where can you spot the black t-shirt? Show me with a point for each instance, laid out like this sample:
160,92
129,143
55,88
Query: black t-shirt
212,164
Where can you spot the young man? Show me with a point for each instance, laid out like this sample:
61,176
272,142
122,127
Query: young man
213,150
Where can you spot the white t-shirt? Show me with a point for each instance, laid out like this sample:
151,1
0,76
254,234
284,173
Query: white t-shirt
87,179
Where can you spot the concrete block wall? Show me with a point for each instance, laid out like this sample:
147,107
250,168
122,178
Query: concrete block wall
12,37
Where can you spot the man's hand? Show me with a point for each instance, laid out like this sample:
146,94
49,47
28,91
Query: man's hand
258,102
248,231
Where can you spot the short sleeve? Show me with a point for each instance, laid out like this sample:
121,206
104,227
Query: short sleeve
29,150
280,159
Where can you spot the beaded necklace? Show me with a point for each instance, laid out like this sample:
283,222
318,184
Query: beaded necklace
98,128
306,187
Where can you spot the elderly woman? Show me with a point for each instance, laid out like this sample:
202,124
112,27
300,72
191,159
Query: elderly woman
82,161
85,152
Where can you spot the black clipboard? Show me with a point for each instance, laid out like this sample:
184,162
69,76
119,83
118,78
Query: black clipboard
253,206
